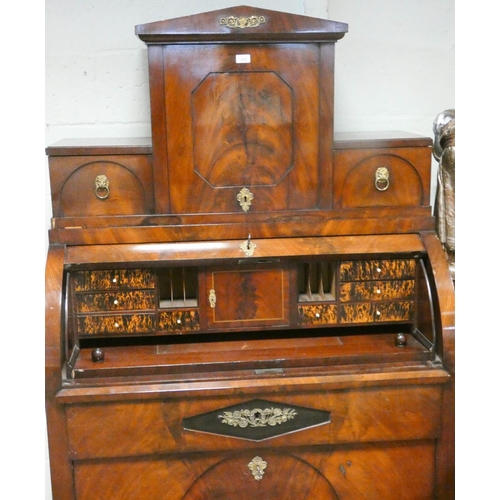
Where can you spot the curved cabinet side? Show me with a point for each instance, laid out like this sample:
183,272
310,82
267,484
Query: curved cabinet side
445,308
60,465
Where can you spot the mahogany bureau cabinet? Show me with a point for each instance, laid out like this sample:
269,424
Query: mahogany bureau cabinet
247,305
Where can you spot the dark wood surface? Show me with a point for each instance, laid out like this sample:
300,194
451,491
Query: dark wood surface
230,251
379,139
156,315
207,27
100,146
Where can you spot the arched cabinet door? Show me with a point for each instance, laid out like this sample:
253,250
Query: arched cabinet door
250,476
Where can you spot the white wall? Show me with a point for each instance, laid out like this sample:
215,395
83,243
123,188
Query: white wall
394,69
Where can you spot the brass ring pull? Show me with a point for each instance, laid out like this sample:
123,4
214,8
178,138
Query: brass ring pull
101,187
382,179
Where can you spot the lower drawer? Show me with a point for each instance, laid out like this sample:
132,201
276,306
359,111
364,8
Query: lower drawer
352,416
402,471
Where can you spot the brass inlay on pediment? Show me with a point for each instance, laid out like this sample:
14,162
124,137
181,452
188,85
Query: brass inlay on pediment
242,22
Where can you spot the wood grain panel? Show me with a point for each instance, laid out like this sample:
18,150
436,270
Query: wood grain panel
355,175
386,472
358,415
74,191
265,136
248,297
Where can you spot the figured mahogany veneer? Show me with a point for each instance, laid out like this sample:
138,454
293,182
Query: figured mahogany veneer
247,305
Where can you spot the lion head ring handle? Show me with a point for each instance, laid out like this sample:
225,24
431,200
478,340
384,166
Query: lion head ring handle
101,187
382,179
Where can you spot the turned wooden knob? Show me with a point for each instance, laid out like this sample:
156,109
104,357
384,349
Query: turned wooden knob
401,340
97,355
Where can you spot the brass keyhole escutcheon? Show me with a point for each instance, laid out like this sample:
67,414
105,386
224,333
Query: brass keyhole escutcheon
257,467
382,178
212,299
102,187
245,197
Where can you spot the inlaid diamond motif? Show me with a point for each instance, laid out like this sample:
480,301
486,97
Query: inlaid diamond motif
257,420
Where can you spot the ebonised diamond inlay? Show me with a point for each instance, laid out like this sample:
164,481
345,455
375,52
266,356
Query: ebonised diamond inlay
257,420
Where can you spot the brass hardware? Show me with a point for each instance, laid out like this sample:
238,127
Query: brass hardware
268,371
258,417
101,187
382,179
257,466
245,197
248,246
242,22
212,298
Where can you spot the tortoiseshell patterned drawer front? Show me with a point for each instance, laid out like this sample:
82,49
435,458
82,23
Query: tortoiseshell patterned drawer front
116,324
377,290
371,312
317,314
179,321
366,270
113,279
118,301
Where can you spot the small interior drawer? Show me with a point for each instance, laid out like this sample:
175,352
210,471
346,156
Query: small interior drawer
368,270
179,320
373,312
113,279
116,324
317,314
376,290
117,301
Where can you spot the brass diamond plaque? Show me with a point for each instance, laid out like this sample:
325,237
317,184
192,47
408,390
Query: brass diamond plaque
257,420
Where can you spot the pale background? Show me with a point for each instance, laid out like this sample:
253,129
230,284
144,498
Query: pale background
395,69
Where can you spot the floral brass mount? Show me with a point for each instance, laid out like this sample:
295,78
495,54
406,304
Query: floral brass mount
245,197
257,466
258,417
242,22
257,420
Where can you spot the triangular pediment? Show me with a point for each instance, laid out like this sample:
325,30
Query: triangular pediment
241,24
